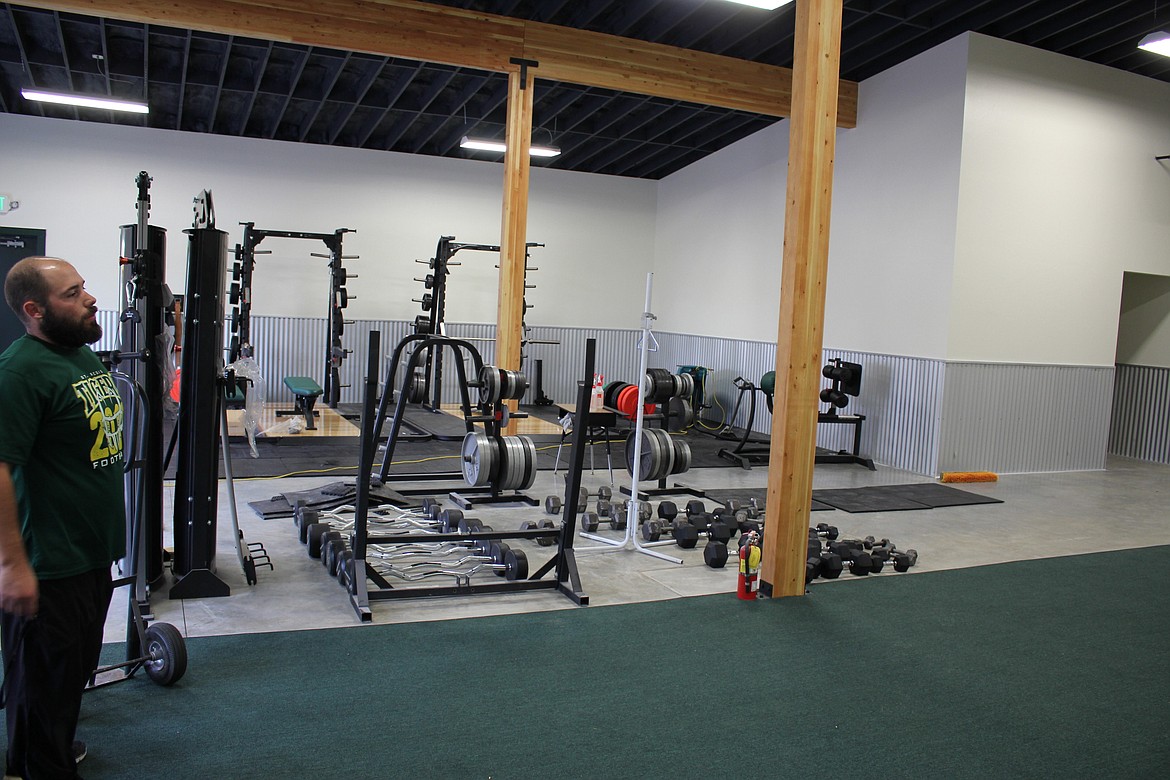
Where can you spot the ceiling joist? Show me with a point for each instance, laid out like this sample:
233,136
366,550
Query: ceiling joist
451,36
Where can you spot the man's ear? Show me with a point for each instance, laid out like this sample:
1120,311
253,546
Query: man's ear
32,310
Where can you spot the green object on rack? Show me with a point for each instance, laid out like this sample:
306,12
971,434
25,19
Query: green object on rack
768,383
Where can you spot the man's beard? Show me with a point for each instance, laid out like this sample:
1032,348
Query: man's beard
68,333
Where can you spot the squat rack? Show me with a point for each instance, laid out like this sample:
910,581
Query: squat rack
359,576
240,296
434,306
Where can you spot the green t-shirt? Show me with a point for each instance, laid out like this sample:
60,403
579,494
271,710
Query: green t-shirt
61,435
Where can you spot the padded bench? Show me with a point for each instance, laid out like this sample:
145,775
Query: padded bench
306,391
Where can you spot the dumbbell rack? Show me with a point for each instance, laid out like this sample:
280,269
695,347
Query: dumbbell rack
491,415
360,575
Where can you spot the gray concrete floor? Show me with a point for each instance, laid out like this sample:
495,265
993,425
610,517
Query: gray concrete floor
1043,515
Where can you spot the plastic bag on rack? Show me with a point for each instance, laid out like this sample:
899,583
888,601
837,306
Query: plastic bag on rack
248,369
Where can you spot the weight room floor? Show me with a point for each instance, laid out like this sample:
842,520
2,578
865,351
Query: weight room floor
1043,515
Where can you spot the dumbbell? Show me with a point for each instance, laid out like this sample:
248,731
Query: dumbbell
469,525
902,560
667,510
553,504
590,522
812,567
652,530
543,541
695,507
828,531
714,528
715,554
869,543
853,551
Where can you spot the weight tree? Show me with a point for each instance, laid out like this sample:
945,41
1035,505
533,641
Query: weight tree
240,296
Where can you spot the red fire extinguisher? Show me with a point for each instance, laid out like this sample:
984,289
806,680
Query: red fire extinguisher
750,554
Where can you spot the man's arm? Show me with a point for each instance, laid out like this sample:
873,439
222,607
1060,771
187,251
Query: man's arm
18,583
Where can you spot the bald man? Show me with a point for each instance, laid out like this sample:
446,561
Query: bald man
62,516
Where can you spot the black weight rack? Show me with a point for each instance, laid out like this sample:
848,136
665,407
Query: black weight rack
240,297
365,585
490,415
663,488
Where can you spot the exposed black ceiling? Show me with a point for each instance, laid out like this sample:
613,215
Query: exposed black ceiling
229,85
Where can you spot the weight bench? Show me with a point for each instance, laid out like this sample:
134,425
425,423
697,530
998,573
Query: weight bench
306,390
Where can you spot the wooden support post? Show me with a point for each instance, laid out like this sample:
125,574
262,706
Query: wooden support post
518,138
812,141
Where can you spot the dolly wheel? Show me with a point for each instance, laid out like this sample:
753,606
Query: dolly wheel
166,653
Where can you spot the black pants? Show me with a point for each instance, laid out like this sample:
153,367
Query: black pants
47,661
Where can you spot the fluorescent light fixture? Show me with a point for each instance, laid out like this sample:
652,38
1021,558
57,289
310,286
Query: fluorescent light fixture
767,5
1157,42
64,99
486,145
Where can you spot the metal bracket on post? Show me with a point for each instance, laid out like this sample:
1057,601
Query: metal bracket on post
524,66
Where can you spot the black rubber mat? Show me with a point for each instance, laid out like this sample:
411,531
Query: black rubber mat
896,498
330,496
935,495
866,499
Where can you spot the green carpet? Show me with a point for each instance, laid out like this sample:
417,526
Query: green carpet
1051,668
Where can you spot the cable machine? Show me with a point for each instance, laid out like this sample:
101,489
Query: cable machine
144,356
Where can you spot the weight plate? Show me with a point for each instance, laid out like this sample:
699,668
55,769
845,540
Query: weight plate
529,463
504,474
489,385
608,393
664,453
515,463
682,456
519,385
480,459
516,565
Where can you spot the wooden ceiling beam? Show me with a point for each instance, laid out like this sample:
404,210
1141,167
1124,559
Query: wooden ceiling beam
452,36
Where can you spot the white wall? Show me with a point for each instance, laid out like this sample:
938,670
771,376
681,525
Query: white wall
720,230
76,180
1143,336
1059,195
891,249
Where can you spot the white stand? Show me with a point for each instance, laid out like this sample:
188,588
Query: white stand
630,540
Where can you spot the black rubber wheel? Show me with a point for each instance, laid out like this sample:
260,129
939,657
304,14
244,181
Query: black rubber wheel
166,654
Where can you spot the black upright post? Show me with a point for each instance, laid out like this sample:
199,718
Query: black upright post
197,476
144,278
